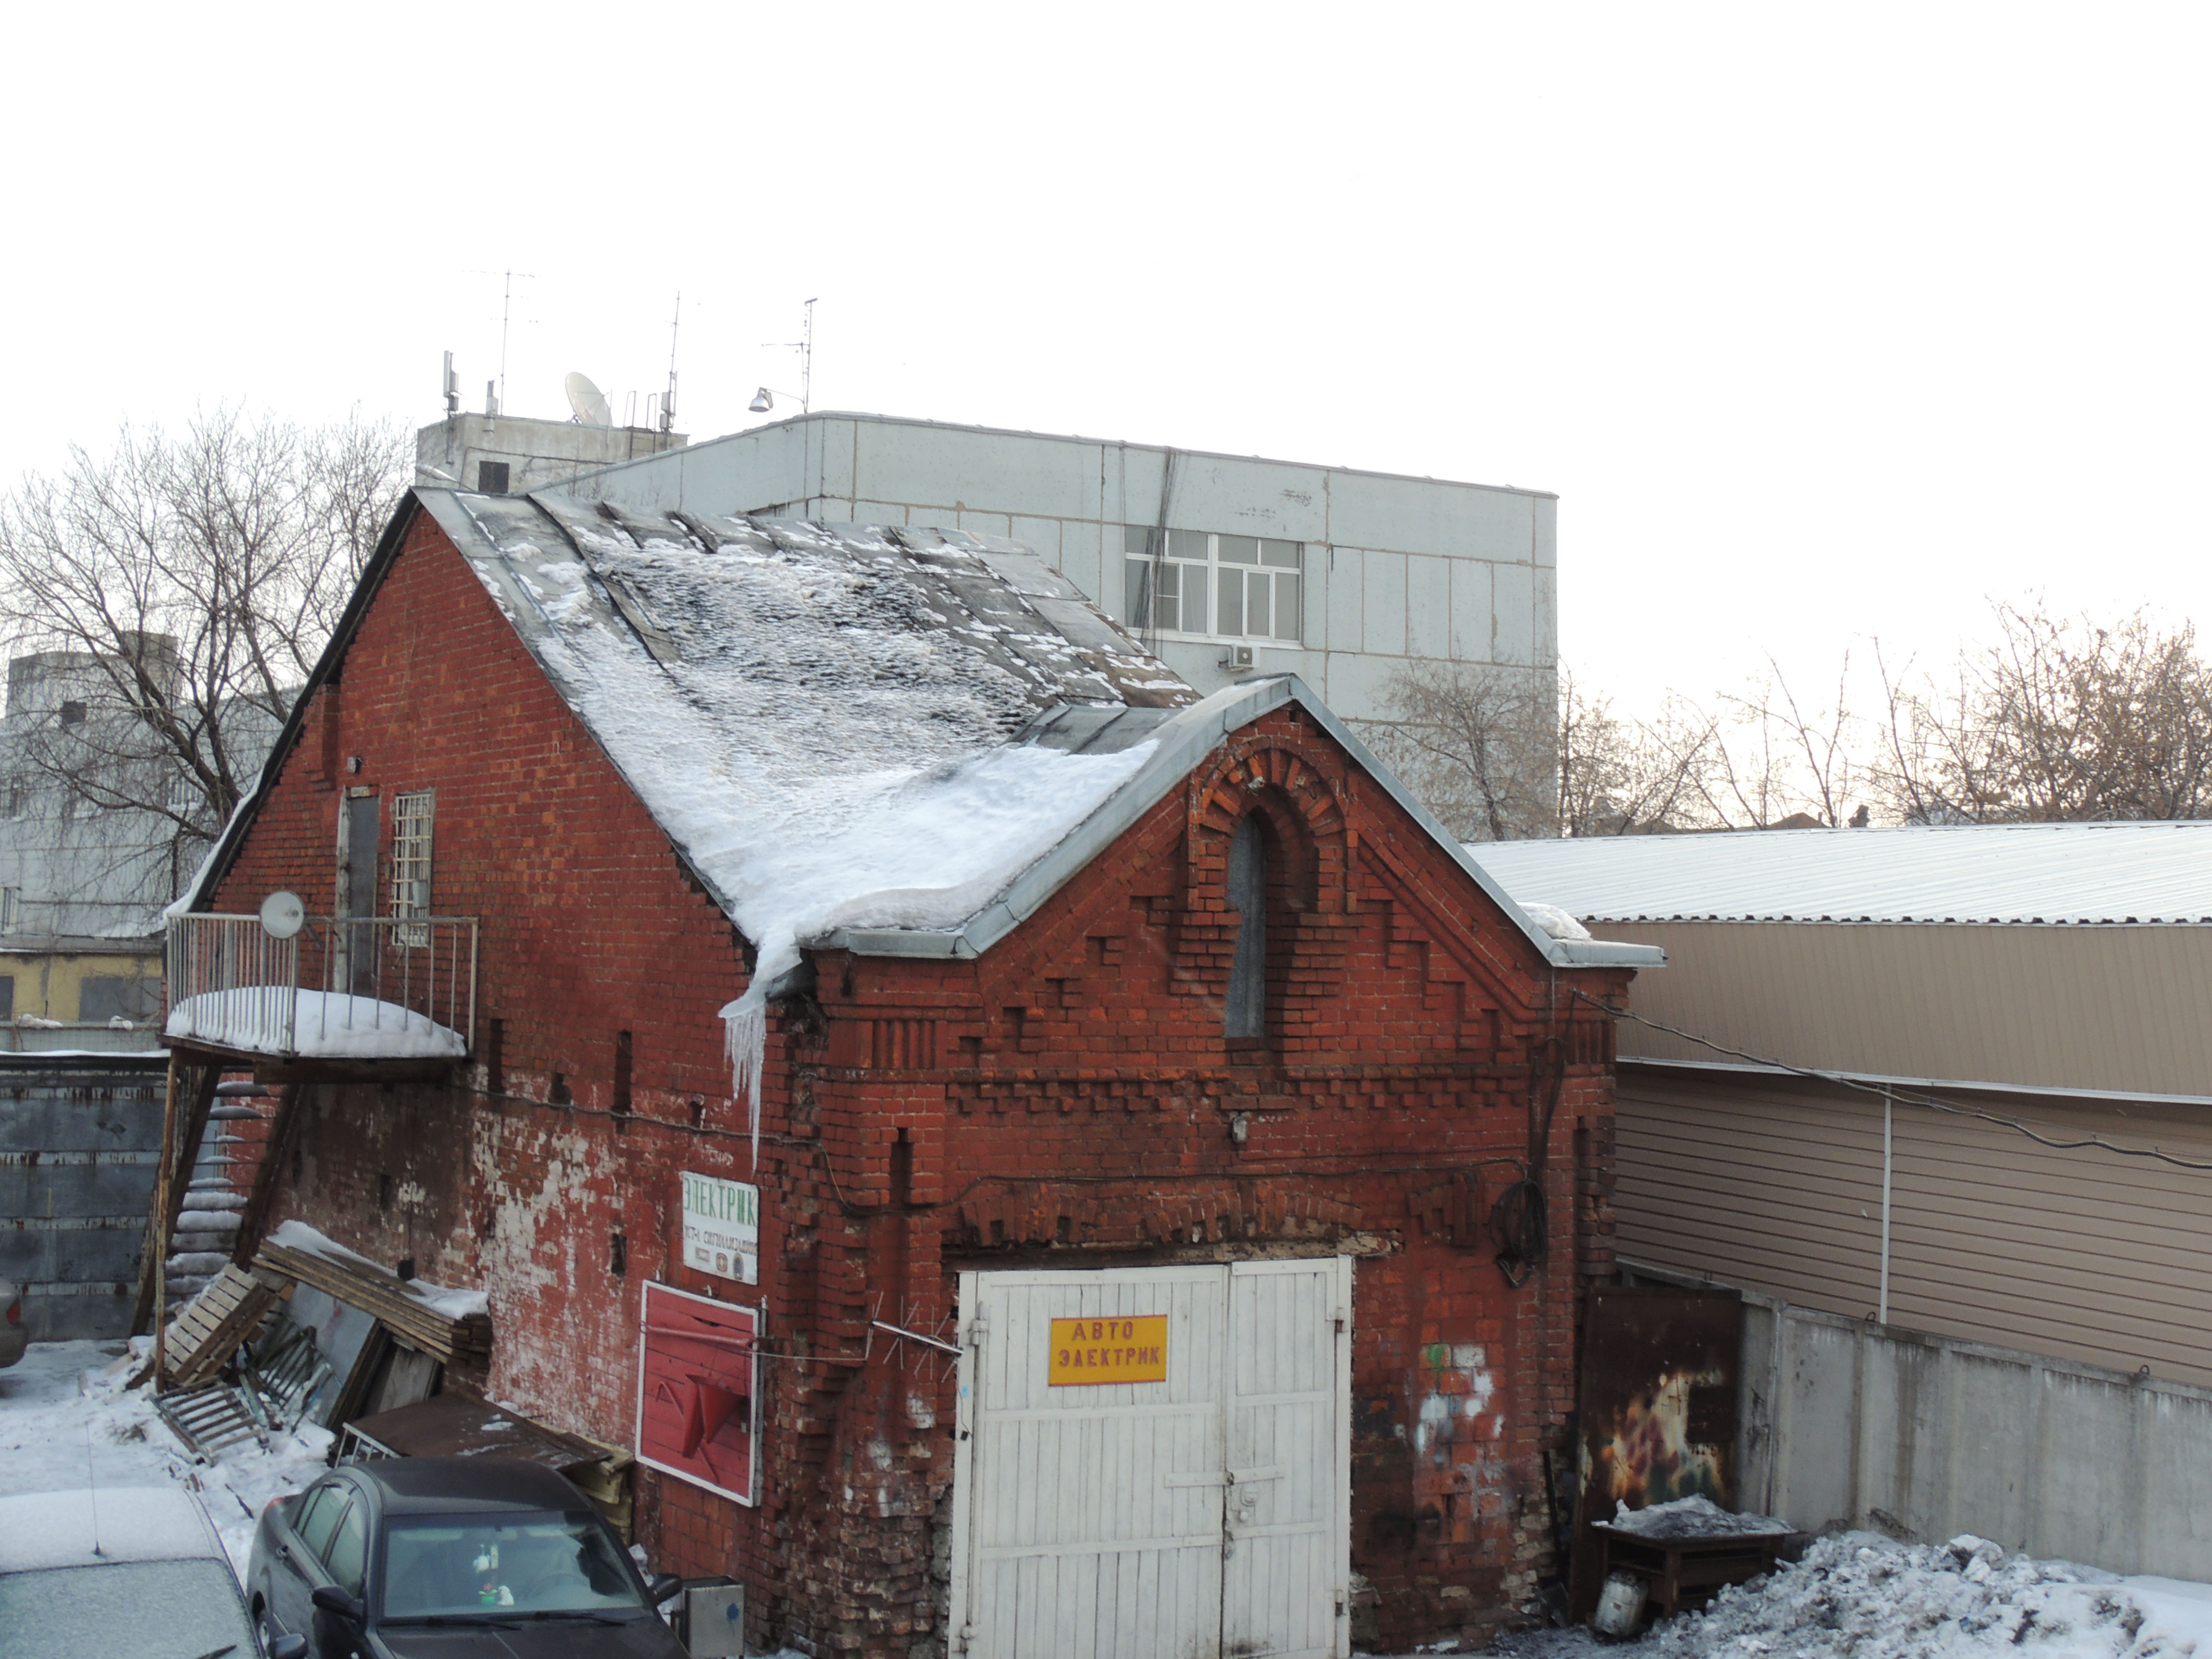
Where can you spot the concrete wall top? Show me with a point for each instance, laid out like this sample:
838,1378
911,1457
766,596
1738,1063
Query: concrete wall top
885,458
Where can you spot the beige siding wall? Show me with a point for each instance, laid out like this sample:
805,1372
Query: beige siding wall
1775,1184
2120,1008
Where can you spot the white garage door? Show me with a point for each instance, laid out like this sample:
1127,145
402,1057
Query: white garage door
1154,1463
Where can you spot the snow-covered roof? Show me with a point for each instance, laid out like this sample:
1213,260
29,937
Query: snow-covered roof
40,1530
2051,874
899,741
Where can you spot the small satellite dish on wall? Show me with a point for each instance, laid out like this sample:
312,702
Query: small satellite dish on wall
283,915
588,401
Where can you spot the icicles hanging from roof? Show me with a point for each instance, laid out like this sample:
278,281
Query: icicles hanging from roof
744,1043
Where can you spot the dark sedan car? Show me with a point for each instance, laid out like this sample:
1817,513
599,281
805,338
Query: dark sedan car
408,1558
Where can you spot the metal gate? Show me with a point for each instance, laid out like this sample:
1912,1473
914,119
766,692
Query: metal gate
1154,1463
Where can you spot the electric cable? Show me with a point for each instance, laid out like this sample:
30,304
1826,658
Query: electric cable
1905,1097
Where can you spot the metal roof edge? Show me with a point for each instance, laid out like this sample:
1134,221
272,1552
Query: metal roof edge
1185,738
1061,438
1885,1080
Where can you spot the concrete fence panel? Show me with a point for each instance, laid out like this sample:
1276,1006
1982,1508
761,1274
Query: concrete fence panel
1845,1423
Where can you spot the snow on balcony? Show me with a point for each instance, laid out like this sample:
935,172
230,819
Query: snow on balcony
323,1025
350,988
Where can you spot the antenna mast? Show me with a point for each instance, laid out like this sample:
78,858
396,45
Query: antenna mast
668,403
506,308
806,365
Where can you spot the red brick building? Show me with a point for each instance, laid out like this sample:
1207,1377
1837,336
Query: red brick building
1139,1259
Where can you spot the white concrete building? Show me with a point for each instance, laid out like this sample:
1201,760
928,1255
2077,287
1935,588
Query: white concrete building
1229,565
510,455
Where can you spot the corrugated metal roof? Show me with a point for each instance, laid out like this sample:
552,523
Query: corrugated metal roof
2053,874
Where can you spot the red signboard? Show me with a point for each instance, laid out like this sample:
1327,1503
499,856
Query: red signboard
698,1378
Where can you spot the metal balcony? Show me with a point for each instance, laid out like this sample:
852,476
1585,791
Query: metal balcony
342,990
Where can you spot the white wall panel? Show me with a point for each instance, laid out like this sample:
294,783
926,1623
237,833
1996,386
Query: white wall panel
1428,606
1382,604
1513,639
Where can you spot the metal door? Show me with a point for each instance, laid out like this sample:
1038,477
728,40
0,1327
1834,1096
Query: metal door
1286,1534
1204,1513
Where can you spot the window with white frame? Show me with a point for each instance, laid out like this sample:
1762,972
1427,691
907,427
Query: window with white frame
1219,586
11,909
412,815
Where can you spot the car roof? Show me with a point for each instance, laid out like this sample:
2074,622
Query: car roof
459,1485
87,1528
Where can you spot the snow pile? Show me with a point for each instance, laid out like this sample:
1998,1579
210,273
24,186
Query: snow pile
1695,1516
67,1420
327,1025
1861,1596
1554,920
828,748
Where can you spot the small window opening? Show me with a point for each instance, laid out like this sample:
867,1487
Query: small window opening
496,1058
491,477
1246,1017
621,1073
73,713
383,1193
411,816
617,1255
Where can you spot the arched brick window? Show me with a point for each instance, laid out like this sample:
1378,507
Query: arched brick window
1246,1014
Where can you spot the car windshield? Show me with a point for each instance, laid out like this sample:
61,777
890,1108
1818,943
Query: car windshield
149,1609
441,1566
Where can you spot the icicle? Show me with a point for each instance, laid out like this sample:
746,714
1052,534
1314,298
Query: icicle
745,1041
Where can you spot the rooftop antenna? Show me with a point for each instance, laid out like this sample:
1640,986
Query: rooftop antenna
453,387
668,403
506,308
804,347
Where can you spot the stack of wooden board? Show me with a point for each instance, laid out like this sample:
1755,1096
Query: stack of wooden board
209,1327
412,1317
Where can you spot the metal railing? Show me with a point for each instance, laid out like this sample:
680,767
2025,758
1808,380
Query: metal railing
336,987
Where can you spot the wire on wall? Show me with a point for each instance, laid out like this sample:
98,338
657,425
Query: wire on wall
1890,1092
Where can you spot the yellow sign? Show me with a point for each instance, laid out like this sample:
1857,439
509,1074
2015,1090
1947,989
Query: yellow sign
1089,1351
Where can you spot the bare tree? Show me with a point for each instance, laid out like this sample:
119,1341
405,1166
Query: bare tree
1783,759
2058,718
1500,755
1621,777
1478,746
176,591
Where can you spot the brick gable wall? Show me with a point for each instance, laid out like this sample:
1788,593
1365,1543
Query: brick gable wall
1068,1099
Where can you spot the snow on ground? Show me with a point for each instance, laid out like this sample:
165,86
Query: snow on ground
1859,1596
67,1421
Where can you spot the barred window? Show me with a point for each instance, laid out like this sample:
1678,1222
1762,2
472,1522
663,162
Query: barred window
411,861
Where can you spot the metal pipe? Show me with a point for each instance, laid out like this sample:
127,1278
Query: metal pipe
1888,1114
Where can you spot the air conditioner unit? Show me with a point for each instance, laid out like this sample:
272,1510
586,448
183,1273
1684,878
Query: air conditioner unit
1240,658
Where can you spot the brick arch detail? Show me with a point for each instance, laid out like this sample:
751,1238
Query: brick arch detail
1296,780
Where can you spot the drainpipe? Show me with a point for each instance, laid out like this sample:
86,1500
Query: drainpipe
1888,1112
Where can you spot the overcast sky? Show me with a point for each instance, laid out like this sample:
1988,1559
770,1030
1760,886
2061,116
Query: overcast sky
1824,324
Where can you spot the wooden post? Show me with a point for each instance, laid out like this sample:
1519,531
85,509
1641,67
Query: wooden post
253,1224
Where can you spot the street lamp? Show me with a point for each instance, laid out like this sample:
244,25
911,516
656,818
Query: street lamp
764,399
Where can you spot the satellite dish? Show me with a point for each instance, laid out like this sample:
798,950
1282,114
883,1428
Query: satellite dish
588,401
283,915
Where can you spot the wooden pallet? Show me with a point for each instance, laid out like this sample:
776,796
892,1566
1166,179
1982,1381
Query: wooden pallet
210,1327
387,1297
207,1419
